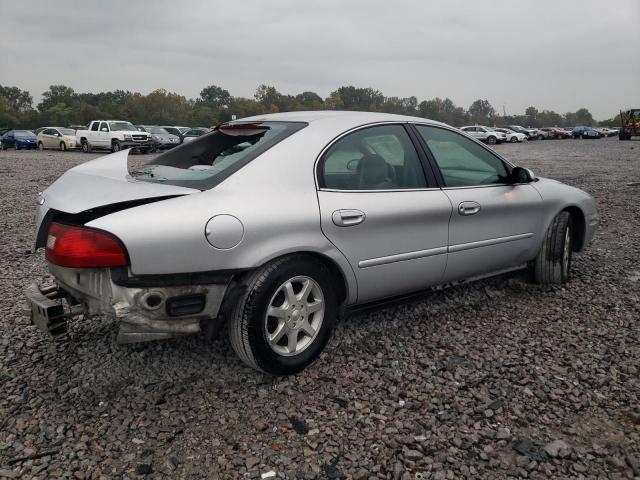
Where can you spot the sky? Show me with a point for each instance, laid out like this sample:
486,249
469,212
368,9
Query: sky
552,54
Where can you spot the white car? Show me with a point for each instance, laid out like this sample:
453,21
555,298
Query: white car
57,137
512,136
485,134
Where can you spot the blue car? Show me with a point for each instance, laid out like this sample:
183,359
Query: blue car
18,139
585,132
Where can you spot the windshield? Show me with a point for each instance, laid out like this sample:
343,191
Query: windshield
157,130
205,162
67,131
120,126
24,134
183,129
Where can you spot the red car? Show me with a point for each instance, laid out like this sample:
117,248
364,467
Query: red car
555,132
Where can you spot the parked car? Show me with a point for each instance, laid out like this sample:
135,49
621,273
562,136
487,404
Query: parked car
38,130
512,136
485,134
607,132
113,135
162,140
278,222
177,131
18,139
555,132
194,133
56,137
530,133
585,132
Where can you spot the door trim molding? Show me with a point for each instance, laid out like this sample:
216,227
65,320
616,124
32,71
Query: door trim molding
399,257
486,243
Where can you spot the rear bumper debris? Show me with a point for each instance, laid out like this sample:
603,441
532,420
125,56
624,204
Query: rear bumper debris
143,314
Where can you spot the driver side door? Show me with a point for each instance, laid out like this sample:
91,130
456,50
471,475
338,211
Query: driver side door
494,224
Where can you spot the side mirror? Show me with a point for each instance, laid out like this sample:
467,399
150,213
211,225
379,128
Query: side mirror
521,175
104,129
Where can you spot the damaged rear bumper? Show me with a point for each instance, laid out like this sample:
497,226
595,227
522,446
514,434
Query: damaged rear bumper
143,312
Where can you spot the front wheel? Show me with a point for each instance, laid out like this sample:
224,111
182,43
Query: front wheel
513,140
63,146
86,148
283,319
553,263
16,146
540,137
492,140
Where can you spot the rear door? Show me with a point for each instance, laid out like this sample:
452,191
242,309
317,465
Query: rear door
494,223
381,210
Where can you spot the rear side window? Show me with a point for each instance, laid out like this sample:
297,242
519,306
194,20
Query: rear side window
94,126
206,161
374,158
462,161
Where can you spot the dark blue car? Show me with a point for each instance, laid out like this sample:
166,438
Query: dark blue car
18,139
585,132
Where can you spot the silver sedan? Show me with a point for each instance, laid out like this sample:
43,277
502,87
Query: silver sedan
280,223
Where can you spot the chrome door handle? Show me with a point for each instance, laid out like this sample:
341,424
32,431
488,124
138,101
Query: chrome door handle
468,208
348,218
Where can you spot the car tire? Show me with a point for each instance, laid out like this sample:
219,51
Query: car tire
63,147
540,137
492,140
115,146
86,148
3,147
552,266
40,146
16,146
513,140
277,284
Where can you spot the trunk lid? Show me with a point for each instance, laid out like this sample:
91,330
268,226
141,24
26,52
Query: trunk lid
98,183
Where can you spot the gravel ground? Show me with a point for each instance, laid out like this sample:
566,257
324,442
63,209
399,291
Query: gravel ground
496,379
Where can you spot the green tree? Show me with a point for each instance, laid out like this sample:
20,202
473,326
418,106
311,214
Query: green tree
366,99
215,97
531,114
8,115
57,94
310,101
482,112
18,100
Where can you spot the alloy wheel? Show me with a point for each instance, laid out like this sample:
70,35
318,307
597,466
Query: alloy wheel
294,316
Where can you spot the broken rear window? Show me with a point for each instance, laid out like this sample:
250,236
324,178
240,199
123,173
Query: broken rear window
205,162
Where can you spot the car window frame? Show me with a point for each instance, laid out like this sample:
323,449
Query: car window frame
434,165
429,175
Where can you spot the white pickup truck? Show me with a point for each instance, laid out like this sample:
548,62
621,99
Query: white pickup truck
113,135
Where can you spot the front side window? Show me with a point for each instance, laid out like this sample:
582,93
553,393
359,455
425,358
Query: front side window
374,158
103,127
205,162
462,161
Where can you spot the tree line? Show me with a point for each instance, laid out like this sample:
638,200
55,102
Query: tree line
63,106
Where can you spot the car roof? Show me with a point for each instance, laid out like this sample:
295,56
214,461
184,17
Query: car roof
322,116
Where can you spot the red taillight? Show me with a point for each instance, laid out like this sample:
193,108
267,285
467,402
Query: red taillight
71,246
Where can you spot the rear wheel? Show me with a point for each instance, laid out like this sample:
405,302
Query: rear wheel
115,146
16,146
553,263
40,146
540,137
284,318
492,140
